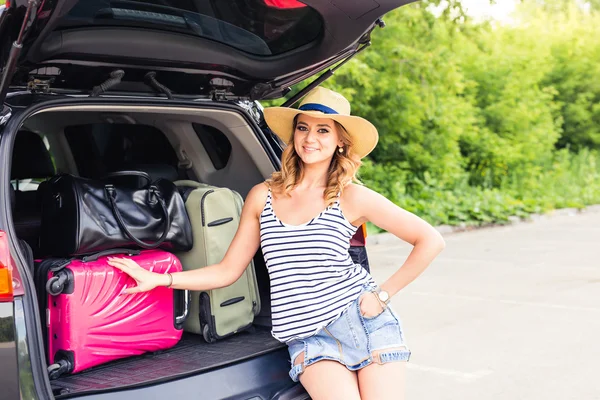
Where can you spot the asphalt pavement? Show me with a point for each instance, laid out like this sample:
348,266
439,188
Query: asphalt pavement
504,313
7,352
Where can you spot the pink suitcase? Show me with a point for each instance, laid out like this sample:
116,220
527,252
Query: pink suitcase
89,323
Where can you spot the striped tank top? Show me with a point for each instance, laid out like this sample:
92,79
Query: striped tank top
313,278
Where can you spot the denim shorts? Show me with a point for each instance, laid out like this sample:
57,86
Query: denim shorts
351,339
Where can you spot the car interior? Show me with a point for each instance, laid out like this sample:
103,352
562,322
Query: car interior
215,147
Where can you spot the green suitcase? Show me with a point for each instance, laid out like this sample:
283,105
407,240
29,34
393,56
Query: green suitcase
215,216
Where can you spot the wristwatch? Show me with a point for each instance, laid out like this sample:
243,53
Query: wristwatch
382,295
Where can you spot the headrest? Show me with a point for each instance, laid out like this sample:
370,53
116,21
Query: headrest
31,159
11,191
157,171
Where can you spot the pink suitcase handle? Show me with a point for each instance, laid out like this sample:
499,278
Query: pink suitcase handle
96,256
180,319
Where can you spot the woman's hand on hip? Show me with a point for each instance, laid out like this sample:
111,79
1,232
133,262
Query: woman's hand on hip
369,305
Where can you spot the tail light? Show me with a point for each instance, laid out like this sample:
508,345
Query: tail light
10,280
360,237
284,4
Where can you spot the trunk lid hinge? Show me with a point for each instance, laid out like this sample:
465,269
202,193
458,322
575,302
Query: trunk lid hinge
222,89
219,95
37,85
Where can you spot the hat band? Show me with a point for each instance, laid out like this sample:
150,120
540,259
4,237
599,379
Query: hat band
317,107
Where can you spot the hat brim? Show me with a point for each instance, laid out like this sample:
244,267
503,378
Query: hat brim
363,133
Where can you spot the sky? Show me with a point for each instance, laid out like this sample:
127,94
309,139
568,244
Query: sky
479,9
482,9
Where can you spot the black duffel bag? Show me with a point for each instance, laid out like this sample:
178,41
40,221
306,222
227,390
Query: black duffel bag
82,216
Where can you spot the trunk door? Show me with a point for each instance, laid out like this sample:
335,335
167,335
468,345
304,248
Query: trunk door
254,49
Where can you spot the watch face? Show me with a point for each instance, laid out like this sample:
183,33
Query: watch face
384,295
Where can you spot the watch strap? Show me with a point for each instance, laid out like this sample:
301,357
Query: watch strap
377,291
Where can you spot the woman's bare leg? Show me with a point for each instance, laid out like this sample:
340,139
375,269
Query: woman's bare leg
382,381
329,380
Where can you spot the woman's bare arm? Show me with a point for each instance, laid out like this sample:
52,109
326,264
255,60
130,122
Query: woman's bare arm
427,241
239,254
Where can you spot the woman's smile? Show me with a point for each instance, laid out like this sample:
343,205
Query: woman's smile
309,149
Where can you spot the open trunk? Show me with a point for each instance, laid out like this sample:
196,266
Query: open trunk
191,356
256,49
217,145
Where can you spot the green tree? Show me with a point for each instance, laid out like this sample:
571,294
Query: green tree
471,115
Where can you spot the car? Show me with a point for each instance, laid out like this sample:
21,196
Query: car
174,87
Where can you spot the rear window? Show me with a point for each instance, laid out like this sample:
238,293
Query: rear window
260,27
216,144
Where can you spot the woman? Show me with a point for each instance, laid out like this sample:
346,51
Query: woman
344,340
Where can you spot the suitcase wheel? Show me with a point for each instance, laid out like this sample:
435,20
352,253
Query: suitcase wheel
55,285
207,335
57,369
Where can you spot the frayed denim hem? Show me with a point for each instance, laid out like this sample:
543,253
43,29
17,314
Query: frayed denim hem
394,355
298,369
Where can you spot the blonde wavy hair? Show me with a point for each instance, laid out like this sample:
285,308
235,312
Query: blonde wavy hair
342,169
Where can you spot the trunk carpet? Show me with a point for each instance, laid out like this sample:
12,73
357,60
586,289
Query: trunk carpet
190,356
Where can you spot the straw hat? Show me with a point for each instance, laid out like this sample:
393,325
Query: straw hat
324,103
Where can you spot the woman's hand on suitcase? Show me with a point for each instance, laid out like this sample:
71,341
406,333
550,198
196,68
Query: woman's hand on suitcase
145,279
